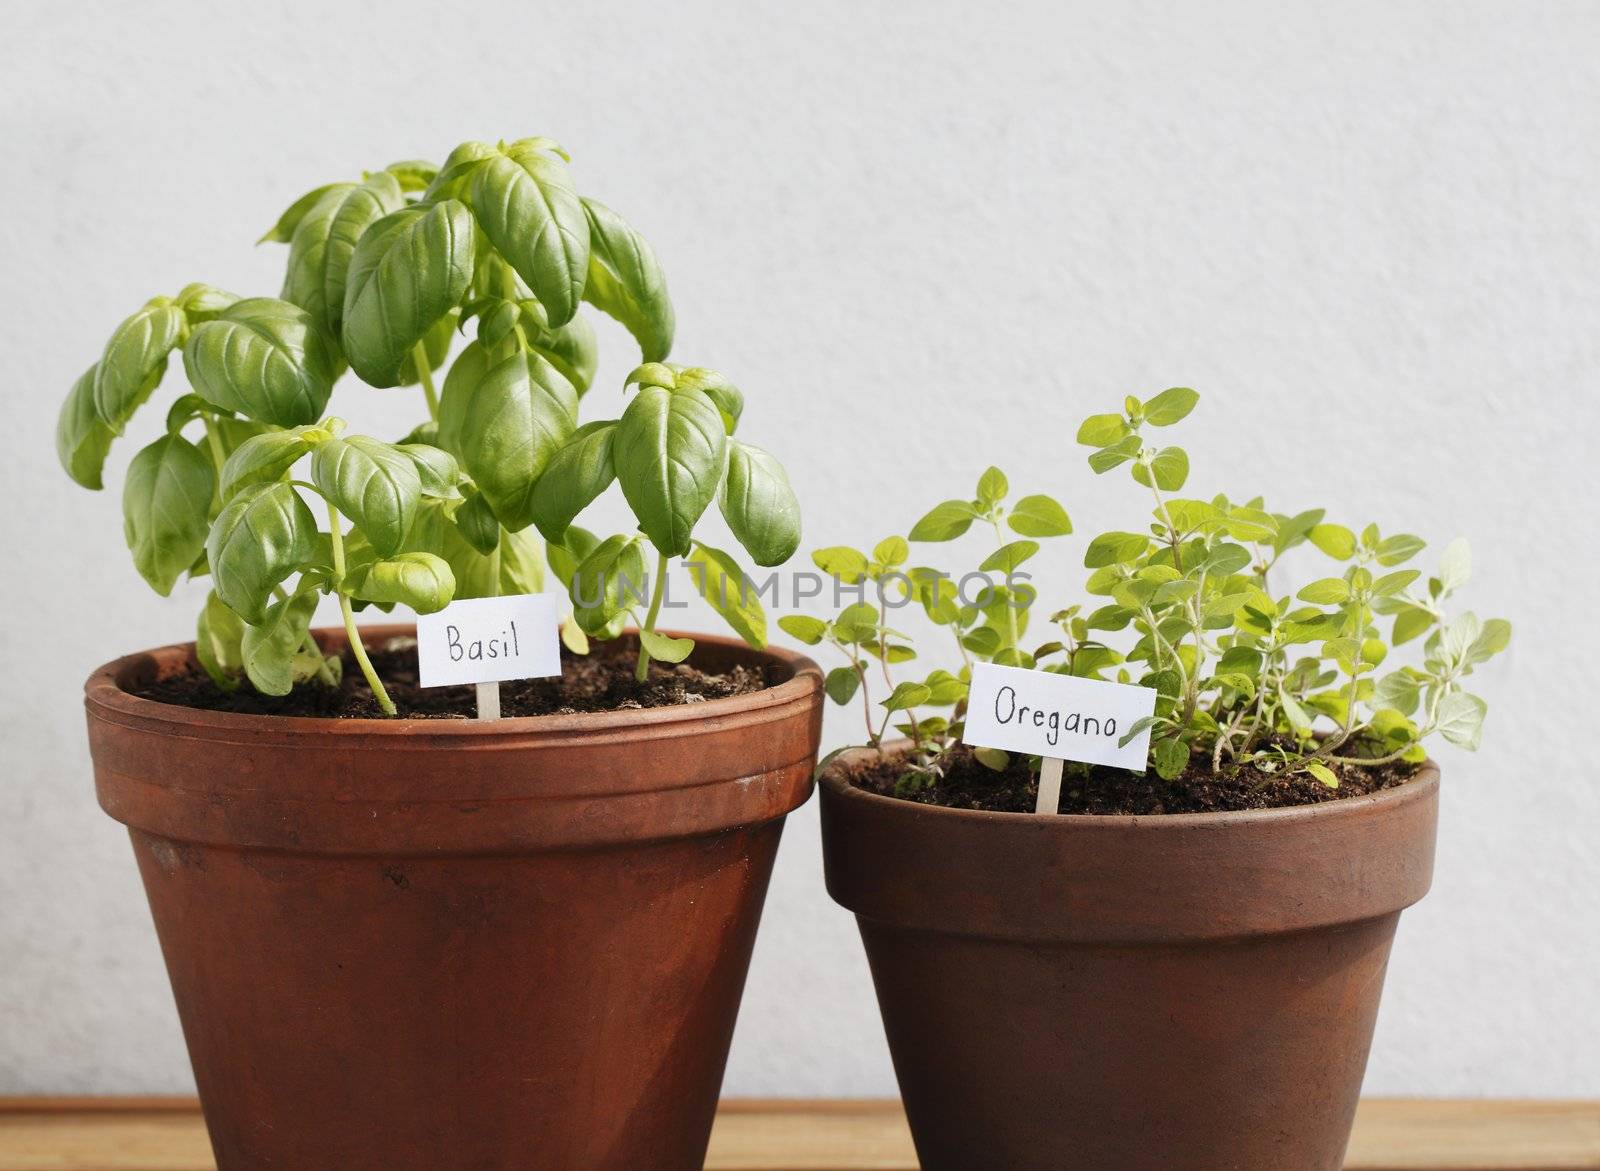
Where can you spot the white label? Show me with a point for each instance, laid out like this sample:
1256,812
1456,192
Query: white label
1061,716
485,640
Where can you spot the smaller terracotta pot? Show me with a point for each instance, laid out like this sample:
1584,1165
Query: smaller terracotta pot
1192,991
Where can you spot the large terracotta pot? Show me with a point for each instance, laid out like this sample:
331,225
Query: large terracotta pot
1192,991
446,945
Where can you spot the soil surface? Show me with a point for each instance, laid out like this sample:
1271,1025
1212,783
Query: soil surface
966,784
600,682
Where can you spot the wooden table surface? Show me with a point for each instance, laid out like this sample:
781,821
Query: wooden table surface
166,1134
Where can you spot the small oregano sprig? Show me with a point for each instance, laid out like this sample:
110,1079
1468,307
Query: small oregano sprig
383,272
1244,675
986,610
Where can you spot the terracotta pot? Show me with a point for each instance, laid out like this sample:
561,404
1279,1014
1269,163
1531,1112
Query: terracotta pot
1190,991
399,945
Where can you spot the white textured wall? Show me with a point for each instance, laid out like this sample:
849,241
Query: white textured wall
922,237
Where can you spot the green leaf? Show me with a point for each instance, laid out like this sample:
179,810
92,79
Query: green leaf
992,488
1115,549
373,483
1102,430
840,561
1323,773
218,635
1461,719
514,422
477,523
466,374
759,505
856,623
423,581
807,629
992,759
1039,516
1400,547
578,472
165,503
1455,566
906,696
945,522
1170,406
1169,467
1170,756
728,397
610,580
522,562
1293,712
1326,592
409,269
570,348
669,451
1118,453
259,538
565,556
1336,541
325,240
1399,690
1393,583
1008,558
890,553
841,684
263,358
626,281
82,437
665,647
283,231
437,470
134,360
264,458
722,583
414,174
1409,623
526,204
435,344
1494,638
271,647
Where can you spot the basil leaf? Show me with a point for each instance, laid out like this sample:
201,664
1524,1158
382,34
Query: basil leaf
665,647
422,581
453,179
626,281
759,505
165,502
610,580
218,635
408,270
570,348
455,396
325,240
565,557
263,358
283,231
521,563
527,206
577,473
512,425
374,483
259,538
271,648
264,458
668,452
82,437
728,397
436,344
730,592
135,359
478,524
201,302
437,469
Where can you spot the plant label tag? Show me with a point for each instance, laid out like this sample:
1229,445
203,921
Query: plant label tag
486,640
1057,716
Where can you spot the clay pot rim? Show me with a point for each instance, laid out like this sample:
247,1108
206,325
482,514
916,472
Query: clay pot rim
106,697
833,780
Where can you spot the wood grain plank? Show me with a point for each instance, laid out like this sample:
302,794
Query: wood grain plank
161,1134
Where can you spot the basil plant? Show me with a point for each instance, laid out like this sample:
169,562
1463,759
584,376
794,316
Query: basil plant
384,273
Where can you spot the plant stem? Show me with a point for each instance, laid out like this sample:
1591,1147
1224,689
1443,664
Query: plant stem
219,457
642,671
1011,612
419,354
354,635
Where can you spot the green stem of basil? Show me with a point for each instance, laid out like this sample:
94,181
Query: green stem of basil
219,457
419,355
642,671
353,634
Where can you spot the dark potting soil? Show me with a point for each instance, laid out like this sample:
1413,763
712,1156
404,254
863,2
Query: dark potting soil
600,682
966,784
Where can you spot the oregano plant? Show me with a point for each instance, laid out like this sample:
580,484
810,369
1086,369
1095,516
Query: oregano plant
1249,671
385,271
